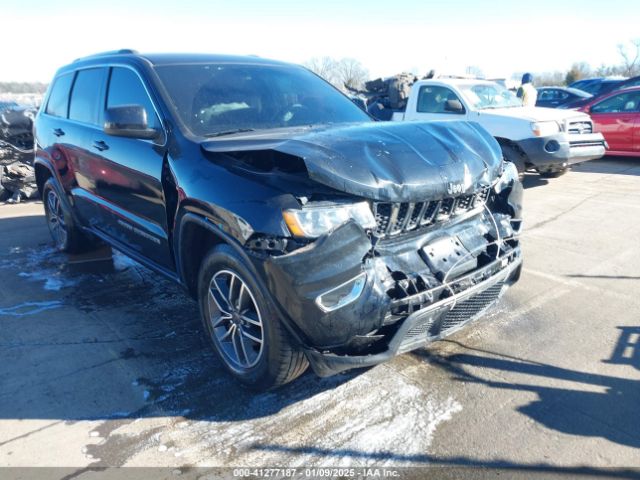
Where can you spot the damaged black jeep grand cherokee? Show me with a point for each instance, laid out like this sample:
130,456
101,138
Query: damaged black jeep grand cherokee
309,233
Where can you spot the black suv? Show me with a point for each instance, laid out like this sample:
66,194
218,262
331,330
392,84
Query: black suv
309,233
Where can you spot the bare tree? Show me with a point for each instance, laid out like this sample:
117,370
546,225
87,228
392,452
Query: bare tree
578,71
326,67
351,73
347,71
630,57
549,79
22,87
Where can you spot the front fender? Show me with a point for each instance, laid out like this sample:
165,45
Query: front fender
184,219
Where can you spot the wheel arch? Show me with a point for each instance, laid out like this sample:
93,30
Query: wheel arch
510,143
195,235
43,172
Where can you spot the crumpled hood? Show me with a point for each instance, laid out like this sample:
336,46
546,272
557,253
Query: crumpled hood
395,161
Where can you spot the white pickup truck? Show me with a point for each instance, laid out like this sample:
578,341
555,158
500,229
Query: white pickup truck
544,139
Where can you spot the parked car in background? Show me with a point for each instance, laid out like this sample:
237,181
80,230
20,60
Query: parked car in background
16,125
7,105
597,86
629,82
553,97
617,116
580,102
547,140
308,232
584,83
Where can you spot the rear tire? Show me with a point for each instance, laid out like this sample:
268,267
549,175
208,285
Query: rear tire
67,237
514,156
241,324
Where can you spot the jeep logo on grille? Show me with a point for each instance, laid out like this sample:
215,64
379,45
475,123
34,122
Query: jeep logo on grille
455,188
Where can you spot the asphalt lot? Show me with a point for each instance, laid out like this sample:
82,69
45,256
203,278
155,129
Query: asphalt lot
102,363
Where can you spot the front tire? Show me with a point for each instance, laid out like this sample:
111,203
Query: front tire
242,325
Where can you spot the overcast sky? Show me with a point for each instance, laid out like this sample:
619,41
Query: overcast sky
500,37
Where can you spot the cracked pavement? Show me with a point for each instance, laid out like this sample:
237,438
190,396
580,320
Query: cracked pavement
102,362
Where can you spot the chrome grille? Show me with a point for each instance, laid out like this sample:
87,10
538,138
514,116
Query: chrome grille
396,218
580,128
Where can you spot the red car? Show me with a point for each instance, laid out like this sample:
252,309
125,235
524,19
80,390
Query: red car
617,116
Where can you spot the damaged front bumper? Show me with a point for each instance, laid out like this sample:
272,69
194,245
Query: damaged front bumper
429,324
355,300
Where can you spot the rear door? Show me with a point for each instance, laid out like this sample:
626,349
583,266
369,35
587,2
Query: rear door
52,134
84,118
616,117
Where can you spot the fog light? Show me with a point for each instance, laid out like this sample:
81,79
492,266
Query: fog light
343,294
552,146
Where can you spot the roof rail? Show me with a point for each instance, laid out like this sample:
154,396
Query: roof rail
122,51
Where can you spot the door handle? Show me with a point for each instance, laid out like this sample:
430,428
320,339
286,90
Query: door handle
100,145
58,132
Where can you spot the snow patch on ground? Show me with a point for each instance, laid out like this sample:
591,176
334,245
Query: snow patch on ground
29,308
378,418
122,262
41,265
52,279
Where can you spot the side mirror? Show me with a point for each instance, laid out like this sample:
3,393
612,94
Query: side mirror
128,121
453,106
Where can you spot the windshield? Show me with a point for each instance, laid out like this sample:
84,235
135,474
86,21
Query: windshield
216,99
483,95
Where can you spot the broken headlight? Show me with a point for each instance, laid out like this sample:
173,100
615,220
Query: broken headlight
312,221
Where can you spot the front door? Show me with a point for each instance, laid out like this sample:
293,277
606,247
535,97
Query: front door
615,117
435,102
130,177
119,179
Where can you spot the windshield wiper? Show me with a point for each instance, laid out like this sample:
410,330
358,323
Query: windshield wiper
230,132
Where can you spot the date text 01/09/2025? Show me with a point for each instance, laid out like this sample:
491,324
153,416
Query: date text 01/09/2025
316,472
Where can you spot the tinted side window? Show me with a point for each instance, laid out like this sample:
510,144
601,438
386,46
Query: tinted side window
624,102
546,95
125,88
86,96
433,99
59,98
